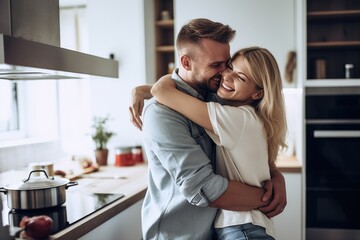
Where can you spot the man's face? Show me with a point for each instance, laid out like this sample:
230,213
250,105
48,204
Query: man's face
210,60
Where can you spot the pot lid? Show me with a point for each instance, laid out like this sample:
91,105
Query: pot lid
38,182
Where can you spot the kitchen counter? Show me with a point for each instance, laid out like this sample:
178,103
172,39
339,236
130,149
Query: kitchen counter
289,164
130,181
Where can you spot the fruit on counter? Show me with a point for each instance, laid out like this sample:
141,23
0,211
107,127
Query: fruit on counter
38,227
86,163
60,173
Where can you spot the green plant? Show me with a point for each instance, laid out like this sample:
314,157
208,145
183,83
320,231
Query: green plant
101,135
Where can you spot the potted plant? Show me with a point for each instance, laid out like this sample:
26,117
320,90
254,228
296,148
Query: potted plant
101,137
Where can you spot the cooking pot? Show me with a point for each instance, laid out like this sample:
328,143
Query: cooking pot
37,192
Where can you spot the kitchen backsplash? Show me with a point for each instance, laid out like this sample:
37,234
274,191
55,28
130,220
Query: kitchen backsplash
21,156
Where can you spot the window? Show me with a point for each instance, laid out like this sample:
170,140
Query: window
35,110
9,120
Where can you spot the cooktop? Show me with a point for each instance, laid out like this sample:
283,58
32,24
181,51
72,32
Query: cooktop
78,205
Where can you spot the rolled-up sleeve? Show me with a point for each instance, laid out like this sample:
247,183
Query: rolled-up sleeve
181,147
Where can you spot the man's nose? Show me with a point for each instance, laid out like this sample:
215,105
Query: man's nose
222,67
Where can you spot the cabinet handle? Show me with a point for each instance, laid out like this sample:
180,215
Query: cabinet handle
337,134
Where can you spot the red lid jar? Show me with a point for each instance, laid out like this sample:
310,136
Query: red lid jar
123,157
137,154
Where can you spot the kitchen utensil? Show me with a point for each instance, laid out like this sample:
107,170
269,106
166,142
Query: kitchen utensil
47,166
37,192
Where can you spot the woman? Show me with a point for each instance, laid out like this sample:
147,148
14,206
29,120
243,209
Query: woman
249,130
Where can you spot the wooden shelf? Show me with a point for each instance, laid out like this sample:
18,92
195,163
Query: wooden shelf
164,37
333,39
165,23
333,44
169,48
333,14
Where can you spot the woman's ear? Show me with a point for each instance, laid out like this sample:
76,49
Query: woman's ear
258,95
185,62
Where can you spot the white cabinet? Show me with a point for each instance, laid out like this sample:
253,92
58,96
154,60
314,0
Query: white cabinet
289,223
126,225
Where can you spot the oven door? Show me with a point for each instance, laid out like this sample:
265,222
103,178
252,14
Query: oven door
332,178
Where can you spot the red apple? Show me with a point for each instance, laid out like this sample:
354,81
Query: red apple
38,227
24,221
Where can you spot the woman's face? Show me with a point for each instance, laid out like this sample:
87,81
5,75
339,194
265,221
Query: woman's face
236,85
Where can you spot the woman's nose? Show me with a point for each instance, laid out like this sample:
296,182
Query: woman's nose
225,72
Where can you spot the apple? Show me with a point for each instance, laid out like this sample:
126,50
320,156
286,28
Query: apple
24,221
38,227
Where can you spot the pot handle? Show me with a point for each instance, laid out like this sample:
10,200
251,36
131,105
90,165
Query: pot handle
39,170
71,184
3,190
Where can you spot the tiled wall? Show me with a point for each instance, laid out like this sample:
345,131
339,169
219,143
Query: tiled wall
21,156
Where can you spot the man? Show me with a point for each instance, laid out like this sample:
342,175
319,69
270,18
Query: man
183,190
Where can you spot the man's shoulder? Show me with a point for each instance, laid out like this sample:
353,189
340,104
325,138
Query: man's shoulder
160,112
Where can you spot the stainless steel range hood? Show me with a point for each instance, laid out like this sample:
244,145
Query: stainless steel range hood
30,45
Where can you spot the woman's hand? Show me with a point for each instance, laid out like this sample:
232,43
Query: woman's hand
138,95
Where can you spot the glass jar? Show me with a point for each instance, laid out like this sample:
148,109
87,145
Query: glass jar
137,155
123,157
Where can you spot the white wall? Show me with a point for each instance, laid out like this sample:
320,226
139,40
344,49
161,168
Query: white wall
117,26
268,24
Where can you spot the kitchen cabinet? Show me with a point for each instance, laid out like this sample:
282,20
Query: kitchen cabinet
125,225
164,37
288,224
333,39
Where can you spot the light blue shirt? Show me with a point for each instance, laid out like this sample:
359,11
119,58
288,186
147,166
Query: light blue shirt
181,180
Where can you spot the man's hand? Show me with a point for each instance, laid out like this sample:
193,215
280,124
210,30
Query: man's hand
276,192
138,95
240,197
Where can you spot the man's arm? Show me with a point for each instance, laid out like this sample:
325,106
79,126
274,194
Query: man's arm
278,201
240,197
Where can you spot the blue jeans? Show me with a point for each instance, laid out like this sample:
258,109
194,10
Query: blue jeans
242,232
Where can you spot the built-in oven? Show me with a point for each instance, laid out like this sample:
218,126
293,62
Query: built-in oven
332,163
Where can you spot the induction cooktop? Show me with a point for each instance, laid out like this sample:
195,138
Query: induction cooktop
78,205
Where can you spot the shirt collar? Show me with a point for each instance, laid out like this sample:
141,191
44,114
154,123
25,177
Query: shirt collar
183,86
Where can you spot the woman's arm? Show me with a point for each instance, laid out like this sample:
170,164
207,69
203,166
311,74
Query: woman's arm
165,92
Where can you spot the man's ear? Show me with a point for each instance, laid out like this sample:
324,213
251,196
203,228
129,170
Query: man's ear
258,95
185,62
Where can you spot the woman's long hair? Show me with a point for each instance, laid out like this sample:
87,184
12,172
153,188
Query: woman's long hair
264,70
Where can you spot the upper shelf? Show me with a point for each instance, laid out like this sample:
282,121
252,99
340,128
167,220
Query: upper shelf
165,48
169,23
333,14
334,44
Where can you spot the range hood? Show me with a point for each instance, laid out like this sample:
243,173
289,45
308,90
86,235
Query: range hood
30,45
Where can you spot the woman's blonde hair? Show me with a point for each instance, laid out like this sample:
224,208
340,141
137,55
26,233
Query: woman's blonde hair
264,70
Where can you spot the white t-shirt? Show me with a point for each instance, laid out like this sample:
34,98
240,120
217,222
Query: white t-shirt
242,155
